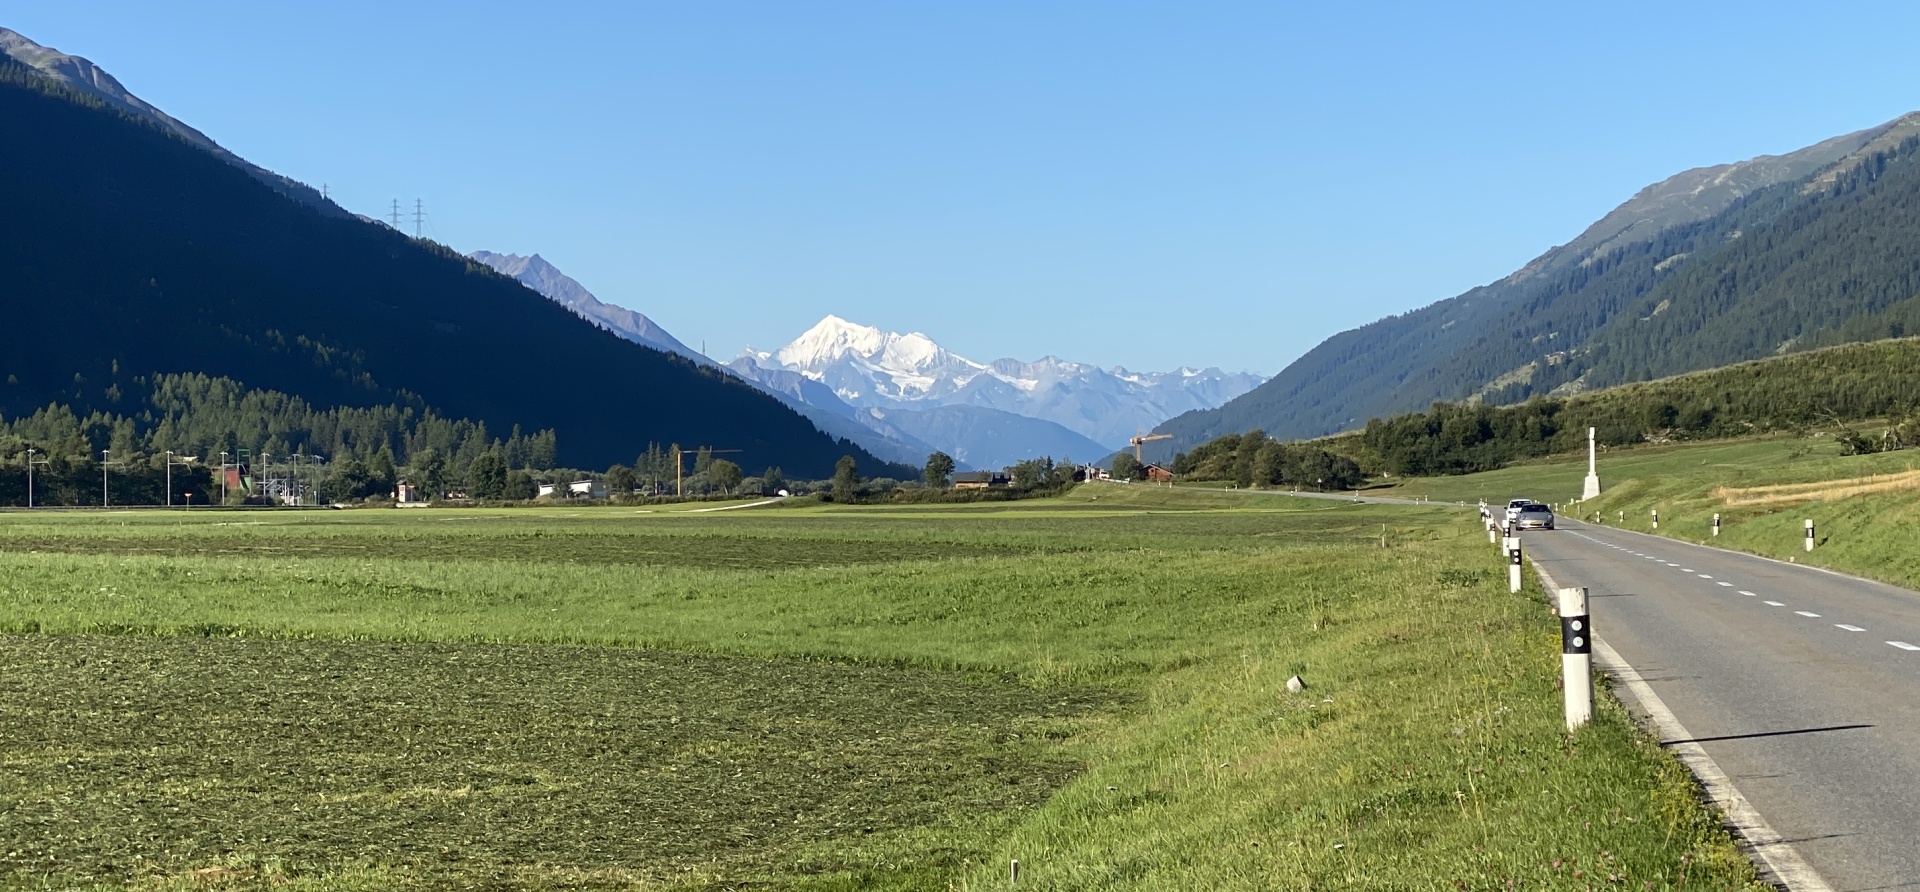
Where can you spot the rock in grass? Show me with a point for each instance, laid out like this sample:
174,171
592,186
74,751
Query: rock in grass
1296,684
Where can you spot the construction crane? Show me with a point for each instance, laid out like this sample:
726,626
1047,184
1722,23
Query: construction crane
1139,438
679,483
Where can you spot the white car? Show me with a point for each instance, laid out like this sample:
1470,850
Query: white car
1513,509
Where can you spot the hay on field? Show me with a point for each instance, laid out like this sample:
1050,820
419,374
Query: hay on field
1820,490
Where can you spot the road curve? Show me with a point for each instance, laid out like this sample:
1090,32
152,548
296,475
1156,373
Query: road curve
1802,685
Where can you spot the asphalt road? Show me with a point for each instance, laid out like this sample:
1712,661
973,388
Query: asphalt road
1802,685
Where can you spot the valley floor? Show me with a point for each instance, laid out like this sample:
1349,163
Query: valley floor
809,698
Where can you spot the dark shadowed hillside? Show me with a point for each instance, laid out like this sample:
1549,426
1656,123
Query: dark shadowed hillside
126,251
1710,267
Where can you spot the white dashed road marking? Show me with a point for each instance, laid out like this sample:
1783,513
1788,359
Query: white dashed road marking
1774,604
1804,613
1727,584
1848,628
1904,646
1748,593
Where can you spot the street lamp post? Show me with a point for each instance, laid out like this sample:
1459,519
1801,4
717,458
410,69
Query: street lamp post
189,460
104,455
30,463
223,479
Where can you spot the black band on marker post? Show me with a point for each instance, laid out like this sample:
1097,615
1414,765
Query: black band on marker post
1576,635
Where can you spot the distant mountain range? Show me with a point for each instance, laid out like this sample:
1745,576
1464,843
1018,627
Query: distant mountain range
878,370
131,245
536,273
902,397
1709,267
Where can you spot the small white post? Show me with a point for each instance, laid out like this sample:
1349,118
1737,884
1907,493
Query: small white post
1513,563
1492,536
1576,656
1656,518
1013,872
1809,534
1716,524
1623,516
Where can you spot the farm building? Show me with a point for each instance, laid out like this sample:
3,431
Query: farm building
1156,474
980,480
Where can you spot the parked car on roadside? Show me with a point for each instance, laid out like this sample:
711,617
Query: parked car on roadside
1534,516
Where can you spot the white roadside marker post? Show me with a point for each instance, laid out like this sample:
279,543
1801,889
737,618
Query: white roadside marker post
1716,525
1623,517
1013,872
1809,534
1513,563
1656,518
1576,656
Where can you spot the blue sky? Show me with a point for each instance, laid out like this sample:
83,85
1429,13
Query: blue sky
1142,184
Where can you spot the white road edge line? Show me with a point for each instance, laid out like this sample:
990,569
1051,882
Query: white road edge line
1848,628
1759,839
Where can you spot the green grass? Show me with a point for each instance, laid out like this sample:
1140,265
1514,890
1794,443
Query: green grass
809,698
1868,534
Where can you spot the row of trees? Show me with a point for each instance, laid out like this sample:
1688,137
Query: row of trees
1254,459
1823,389
350,454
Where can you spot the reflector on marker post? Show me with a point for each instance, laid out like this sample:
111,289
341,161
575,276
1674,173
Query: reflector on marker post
1809,534
1576,656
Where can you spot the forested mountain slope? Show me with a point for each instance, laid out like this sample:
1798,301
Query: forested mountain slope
1712,266
126,251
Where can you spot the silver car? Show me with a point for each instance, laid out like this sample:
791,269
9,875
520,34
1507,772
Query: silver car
1534,516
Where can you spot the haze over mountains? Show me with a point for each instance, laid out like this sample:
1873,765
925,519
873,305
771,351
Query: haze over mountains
903,396
878,370
1709,267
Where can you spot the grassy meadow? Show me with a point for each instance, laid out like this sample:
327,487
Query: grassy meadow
815,698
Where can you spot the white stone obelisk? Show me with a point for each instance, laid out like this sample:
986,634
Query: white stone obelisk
1592,489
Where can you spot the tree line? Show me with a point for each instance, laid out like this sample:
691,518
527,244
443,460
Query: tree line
1254,459
1817,390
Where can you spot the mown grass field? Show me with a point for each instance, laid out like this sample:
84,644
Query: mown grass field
809,698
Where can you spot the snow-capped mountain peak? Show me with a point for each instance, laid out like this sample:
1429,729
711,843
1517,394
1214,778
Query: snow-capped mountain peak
829,340
870,368
834,339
